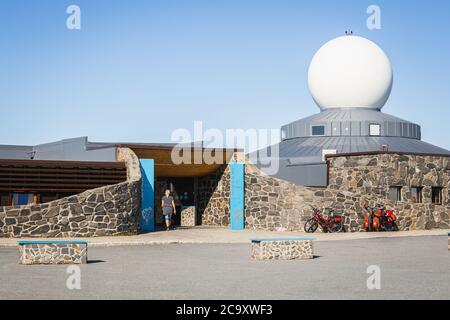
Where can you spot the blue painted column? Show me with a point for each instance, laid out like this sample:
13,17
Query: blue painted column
147,221
236,196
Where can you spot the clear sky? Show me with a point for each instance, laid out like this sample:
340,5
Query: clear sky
137,70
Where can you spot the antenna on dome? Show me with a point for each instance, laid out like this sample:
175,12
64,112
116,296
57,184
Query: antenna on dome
348,33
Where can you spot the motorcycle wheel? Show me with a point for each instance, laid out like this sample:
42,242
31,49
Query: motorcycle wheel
337,227
311,226
391,226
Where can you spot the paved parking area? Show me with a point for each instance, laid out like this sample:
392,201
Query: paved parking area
411,268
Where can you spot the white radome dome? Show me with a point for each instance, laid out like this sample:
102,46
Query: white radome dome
350,72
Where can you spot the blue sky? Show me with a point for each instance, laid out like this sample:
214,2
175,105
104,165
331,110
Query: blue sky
137,70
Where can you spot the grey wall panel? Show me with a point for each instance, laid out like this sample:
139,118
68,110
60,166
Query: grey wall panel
336,129
339,119
346,128
73,150
390,129
356,128
313,175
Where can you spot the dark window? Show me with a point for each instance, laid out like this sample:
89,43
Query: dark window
395,194
416,194
436,195
45,197
5,199
318,130
21,199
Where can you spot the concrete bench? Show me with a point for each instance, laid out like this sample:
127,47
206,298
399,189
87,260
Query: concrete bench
282,248
188,216
53,252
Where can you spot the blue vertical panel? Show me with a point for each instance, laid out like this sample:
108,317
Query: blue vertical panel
236,196
147,221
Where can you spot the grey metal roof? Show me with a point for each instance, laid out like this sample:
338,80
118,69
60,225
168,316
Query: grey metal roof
309,150
74,149
81,149
15,152
300,159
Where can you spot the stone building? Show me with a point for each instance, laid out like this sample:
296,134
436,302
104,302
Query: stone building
348,155
105,194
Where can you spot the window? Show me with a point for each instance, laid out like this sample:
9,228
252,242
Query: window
20,199
416,194
374,129
395,194
283,134
318,130
436,195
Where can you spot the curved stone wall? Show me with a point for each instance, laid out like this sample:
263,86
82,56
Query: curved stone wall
274,204
109,210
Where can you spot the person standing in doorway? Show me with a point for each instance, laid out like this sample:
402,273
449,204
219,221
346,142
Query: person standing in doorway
168,208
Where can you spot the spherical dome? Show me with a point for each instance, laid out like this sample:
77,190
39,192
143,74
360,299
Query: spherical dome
350,72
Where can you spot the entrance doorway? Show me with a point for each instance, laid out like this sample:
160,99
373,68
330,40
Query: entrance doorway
183,191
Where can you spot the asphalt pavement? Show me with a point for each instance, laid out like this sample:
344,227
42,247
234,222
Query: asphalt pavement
410,268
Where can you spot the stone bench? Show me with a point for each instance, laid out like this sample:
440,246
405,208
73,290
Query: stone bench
53,252
282,249
188,216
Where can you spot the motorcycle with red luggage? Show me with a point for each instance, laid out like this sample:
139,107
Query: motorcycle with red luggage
380,219
331,222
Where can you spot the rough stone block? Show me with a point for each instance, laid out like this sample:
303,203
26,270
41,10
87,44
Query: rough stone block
188,217
53,252
282,249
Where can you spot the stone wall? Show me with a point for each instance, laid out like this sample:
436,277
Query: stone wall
282,249
370,176
109,210
214,198
53,253
273,204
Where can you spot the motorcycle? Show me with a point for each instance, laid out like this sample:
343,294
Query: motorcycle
332,222
380,219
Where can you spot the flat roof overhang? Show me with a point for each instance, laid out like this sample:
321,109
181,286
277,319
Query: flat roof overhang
196,167
58,176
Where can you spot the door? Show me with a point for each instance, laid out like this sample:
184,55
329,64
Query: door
237,196
147,220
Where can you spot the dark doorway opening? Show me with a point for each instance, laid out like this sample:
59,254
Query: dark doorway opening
183,191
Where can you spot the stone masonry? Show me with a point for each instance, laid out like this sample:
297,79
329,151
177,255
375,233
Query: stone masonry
288,249
214,198
53,253
273,204
188,216
370,176
108,210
